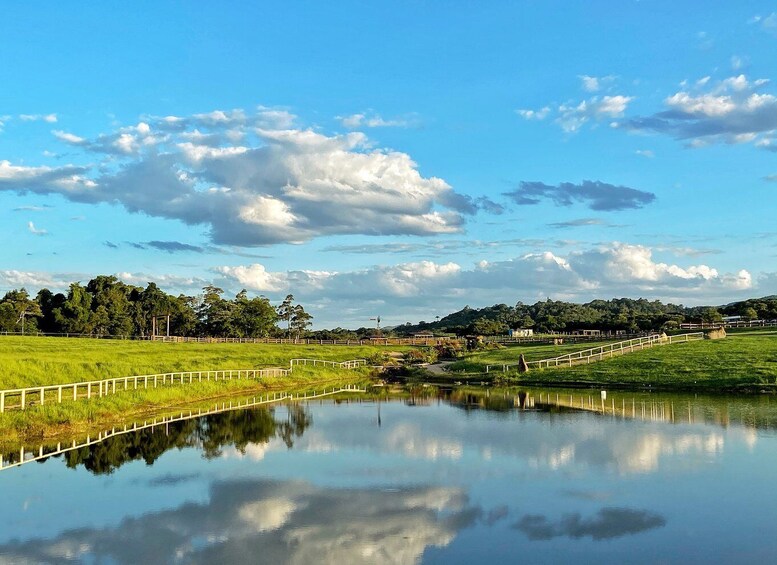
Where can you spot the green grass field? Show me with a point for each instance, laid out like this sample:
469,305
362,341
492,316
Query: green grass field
742,361
476,363
32,361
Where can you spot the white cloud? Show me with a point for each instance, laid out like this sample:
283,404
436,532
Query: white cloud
48,118
595,84
617,269
649,153
540,114
256,277
730,111
36,231
67,137
572,117
253,184
373,120
35,280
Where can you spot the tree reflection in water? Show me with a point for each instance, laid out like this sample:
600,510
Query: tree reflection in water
209,433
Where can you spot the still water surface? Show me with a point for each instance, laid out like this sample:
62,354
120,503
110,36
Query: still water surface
458,478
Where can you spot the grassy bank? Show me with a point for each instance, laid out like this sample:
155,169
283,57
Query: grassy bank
744,361
75,417
32,361
476,362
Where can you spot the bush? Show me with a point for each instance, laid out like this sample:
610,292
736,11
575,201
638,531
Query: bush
452,350
416,356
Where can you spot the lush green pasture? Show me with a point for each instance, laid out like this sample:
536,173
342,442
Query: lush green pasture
32,361
476,362
742,361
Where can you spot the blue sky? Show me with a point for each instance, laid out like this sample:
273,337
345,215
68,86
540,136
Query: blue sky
397,159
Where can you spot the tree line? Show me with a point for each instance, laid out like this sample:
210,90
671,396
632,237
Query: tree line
106,306
619,314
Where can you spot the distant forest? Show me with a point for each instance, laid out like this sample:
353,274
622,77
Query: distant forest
108,307
105,306
609,315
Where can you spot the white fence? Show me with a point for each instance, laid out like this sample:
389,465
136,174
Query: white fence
28,456
730,324
21,398
603,352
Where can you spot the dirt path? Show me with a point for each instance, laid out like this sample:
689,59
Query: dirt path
438,368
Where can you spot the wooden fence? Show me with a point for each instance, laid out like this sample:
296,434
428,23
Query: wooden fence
603,352
21,398
27,456
303,341
730,324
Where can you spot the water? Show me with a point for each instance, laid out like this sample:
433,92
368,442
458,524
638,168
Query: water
456,478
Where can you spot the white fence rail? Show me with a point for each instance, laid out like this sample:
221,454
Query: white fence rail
603,352
28,456
22,398
730,324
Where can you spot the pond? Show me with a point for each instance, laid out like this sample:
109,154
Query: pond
427,476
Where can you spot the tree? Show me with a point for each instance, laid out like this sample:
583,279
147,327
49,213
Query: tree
286,311
74,314
300,320
215,313
253,317
111,297
749,313
18,312
711,316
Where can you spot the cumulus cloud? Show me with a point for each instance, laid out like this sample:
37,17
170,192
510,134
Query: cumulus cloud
596,195
281,521
733,110
35,280
67,180
618,269
256,277
252,183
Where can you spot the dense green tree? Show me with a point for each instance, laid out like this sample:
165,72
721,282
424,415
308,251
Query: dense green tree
253,317
215,313
75,313
18,312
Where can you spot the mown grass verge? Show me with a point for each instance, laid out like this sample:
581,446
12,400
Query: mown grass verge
744,361
33,361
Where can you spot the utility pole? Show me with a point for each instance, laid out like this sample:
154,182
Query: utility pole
377,321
